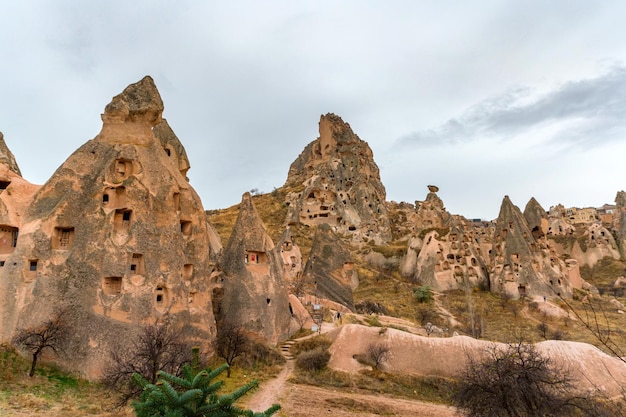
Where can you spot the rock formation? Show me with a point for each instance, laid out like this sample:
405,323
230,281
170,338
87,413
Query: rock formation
291,256
536,218
330,268
118,235
7,158
255,294
523,267
446,252
335,181
619,220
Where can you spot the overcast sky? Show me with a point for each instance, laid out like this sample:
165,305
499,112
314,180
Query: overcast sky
483,99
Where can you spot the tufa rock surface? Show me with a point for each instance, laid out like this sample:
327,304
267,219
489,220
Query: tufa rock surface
255,294
335,181
7,158
330,268
117,235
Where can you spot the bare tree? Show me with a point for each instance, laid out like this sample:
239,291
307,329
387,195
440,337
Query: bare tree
159,346
52,335
231,343
378,353
519,381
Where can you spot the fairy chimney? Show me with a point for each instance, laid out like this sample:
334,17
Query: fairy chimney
338,184
255,294
118,235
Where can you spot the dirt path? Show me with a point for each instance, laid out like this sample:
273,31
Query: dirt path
308,401
269,393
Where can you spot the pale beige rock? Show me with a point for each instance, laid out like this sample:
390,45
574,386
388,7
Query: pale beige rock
338,184
255,291
119,235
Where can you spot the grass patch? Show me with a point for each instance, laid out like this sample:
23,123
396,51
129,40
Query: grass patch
422,388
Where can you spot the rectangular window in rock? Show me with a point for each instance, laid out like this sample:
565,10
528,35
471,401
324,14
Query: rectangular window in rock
112,285
4,184
137,266
63,238
185,227
123,169
8,238
187,271
121,220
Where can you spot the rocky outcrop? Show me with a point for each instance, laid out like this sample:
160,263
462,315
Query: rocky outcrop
172,146
118,235
523,266
255,294
619,220
431,212
291,256
536,218
7,158
335,181
446,252
331,268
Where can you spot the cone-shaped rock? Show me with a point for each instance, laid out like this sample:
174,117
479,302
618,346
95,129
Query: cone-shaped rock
330,268
338,184
255,294
172,146
7,158
536,218
118,234
521,265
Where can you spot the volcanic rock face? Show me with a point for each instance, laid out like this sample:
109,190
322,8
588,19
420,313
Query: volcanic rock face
523,266
330,268
447,252
619,220
536,217
338,184
118,235
7,158
255,294
291,256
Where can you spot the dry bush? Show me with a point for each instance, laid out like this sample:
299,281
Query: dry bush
313,360
311,344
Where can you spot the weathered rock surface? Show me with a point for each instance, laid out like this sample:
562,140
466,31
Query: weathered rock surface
7,158
118,235
523,266
447,252
536,218
330,268
255,294
446,356
338,183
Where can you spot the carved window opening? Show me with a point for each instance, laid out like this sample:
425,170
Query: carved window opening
4,184
137,265
185,227
63,238
161,296
168,151
176,198
123,168
33,265
8,238
268,301
112,285
2,263
105,199
188,271
122,220
255,257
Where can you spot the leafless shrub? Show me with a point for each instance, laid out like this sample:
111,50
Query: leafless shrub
519,381
159,346
51,334
313,360
231,343
378,353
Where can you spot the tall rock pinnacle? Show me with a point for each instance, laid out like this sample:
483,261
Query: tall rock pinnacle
335,181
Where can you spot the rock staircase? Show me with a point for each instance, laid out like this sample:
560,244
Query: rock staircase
285,349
